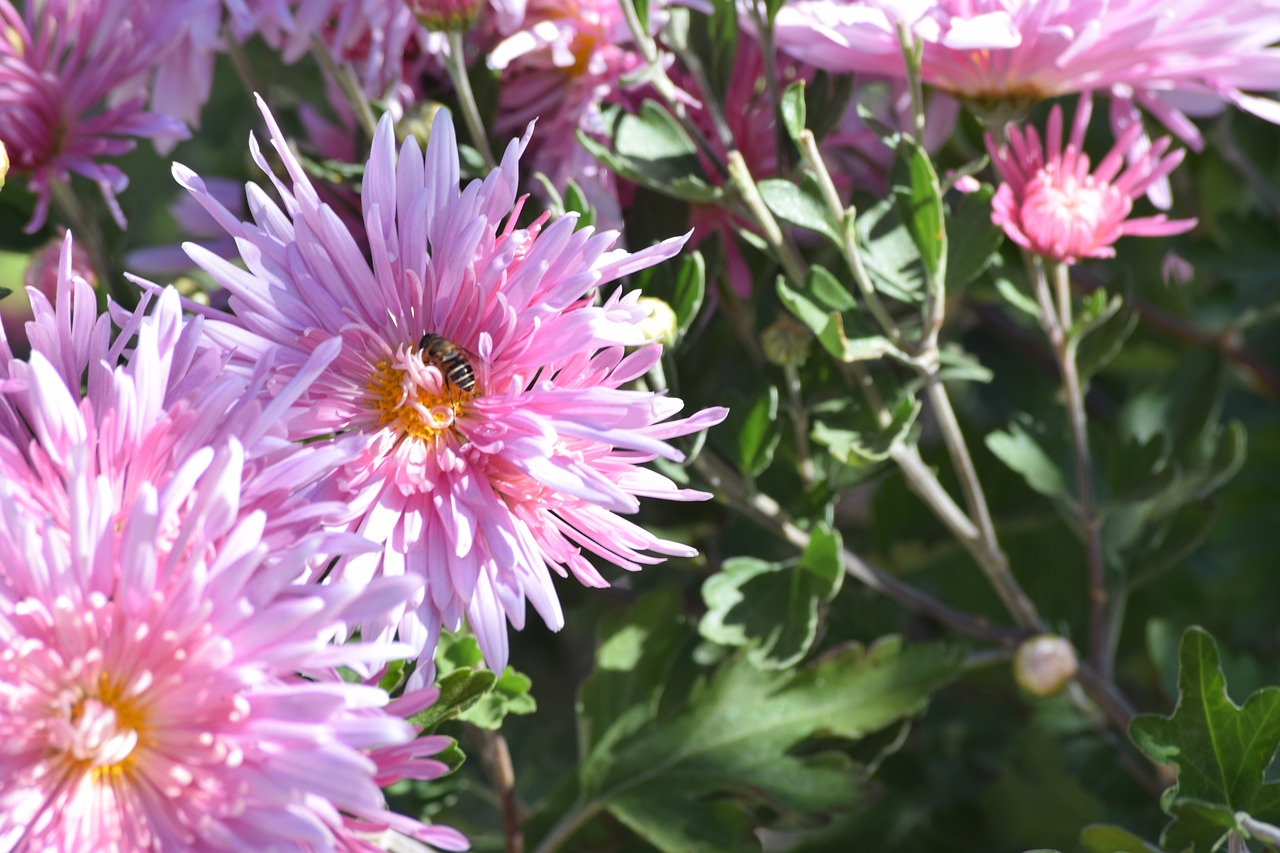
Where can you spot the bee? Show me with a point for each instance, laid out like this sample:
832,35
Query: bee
451,359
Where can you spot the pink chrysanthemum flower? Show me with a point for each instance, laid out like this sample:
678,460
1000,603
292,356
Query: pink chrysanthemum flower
146,401
1171,57
567,61
495,451
73,74
1052,205
156,698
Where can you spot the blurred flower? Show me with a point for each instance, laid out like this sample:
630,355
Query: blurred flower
1171,57
1176,269
567,61
193,221
74,74
502,446
155,698
1050,203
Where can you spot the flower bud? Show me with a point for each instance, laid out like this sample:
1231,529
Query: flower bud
1044,664
4,163
786,342
446,16
662,325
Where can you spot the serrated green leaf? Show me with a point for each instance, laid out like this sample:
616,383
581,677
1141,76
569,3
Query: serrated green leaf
1113,839
1019,450
889,253
799,205
759,433
793,110
1221,750
774,610
918,196
459,690
733,744
870,444
509,694
973,240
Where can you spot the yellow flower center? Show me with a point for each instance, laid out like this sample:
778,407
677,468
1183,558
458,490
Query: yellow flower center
98,731
414,398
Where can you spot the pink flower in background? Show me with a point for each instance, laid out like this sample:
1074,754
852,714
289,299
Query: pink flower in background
498,450
1171,57
74,74
156,698
564,64
1052,205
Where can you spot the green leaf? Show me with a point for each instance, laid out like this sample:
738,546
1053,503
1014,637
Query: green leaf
688,292
793,109
799,205
759,434
652,149
636,654
688,785
575,201
1221,750
774,610
458,691
1017,299
973,240
889,254
1104,342
828,289
870,443
918,196
471,693
1113,839
1018,449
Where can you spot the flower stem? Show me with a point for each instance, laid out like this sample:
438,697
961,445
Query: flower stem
456,63
765,511
745,185
568,824
911,57
86,231
346,81
498,759
800,423
1056,324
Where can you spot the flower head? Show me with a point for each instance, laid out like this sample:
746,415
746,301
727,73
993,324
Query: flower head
566,62
1052,205
155,696
73,73
146,402
1168,56
479,369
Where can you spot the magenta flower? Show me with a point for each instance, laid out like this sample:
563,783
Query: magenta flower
73,73
154,697
495,451
1052,205
1171,57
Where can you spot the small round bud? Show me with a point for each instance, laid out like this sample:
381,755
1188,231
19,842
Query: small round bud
786,342
446,16
662,325
1044,664
4,163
